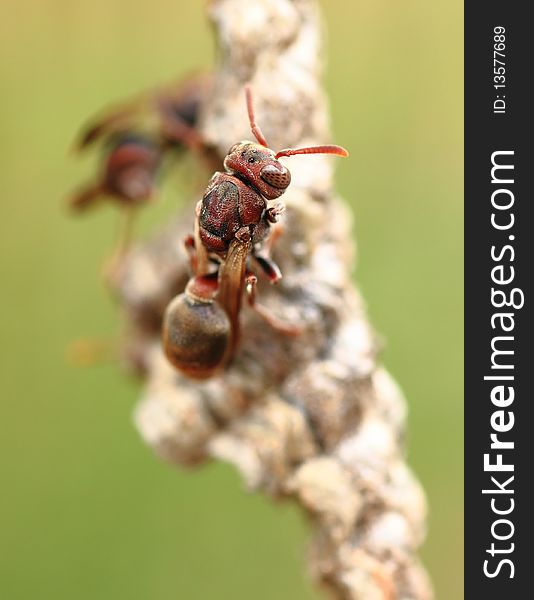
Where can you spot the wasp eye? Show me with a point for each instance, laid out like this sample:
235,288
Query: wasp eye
278,177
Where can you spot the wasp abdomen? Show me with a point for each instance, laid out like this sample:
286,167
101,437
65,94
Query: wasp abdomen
196,335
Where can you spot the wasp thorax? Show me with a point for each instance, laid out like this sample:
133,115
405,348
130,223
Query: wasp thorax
196,334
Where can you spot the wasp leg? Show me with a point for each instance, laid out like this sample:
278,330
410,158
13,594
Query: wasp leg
273,214
263,255
201,264
276,323
86,197
189,245
267,228
268,267
113,265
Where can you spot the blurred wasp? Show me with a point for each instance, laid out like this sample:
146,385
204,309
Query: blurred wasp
135,139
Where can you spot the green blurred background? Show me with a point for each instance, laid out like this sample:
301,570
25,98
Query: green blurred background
86,510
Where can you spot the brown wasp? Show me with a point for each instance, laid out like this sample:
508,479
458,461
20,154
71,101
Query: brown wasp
201,325
136,138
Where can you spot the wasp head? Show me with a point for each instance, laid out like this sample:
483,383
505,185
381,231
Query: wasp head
257,166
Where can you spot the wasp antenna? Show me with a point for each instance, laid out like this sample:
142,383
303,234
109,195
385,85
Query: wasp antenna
329,149
253,125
